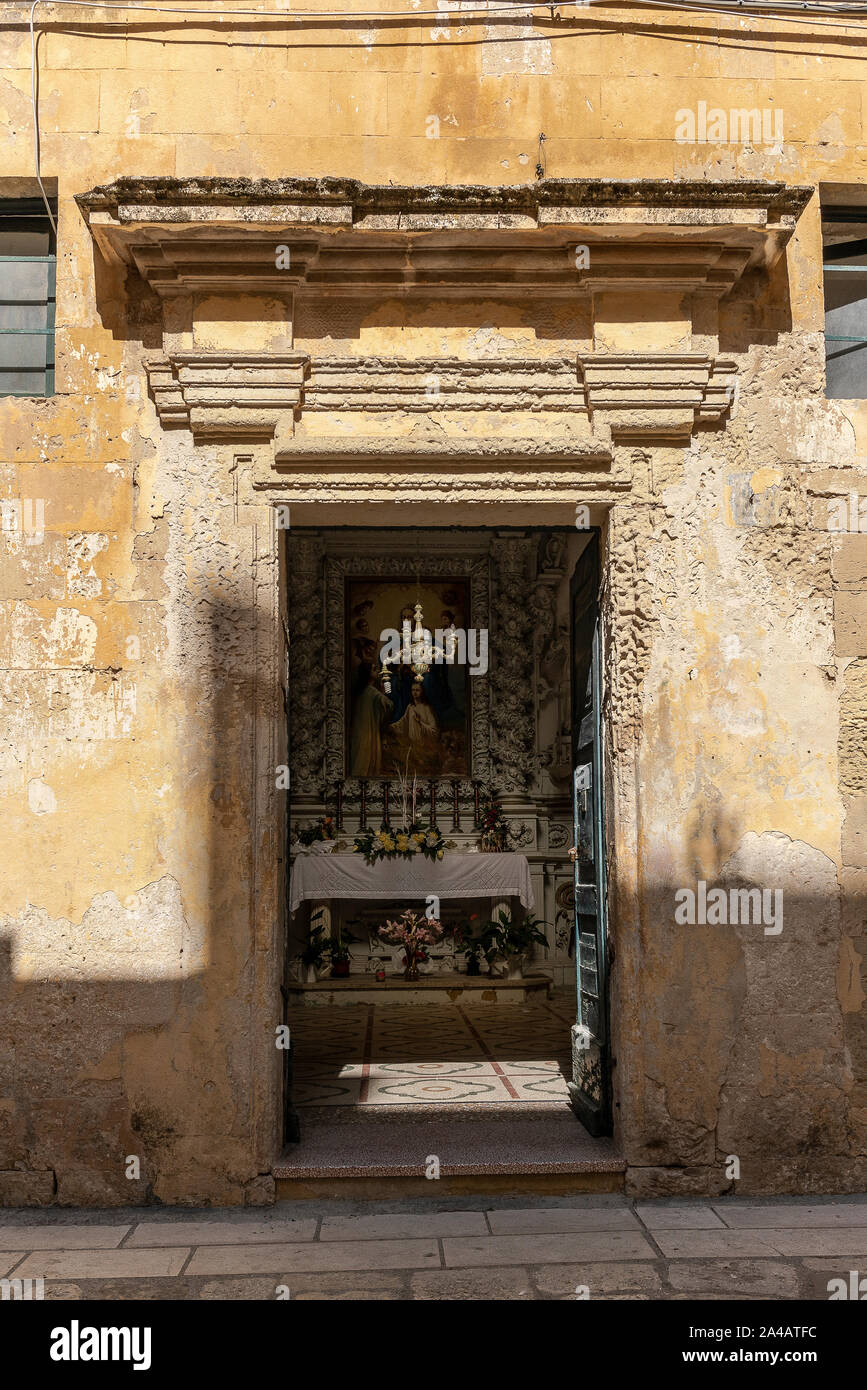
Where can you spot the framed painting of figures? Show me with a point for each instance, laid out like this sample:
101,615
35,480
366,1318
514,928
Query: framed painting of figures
406,723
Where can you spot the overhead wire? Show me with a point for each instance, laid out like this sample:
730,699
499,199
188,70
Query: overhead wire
795,11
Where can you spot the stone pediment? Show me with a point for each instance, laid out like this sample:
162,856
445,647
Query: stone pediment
225,256
205,235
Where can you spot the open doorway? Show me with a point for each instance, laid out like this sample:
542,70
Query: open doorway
445,735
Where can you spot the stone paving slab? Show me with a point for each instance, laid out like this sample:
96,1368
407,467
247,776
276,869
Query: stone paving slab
563,1281
449,1249
826,1216
547,1249
844,1245
468,1285
225,1232
740,1278
319,1255
397,1225
102,1264
714,1244
678,1216
19,1237
539,1221
718,1244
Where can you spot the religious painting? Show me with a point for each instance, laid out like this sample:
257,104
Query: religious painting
408,723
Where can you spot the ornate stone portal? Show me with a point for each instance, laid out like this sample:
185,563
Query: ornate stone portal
267,291
239,265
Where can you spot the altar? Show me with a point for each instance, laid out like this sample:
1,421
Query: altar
324,878
319,878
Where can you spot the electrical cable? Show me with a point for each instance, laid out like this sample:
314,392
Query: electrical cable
488,9
493,7
33,72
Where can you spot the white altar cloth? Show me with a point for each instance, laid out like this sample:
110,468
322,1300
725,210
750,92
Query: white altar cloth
317,877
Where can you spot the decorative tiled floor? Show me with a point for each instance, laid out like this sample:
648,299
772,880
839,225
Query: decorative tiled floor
396,1054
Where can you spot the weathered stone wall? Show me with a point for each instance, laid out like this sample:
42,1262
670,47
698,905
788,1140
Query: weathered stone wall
141,700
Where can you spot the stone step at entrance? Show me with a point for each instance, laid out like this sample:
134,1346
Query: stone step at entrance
448,988
544,1148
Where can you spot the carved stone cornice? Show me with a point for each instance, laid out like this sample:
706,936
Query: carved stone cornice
647,394
215,250
213,235
428,384
240,394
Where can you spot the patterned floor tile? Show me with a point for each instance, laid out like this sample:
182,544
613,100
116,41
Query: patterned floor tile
441,1090
400,1054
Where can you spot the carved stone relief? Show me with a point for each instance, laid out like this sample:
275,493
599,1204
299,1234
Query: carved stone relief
511,678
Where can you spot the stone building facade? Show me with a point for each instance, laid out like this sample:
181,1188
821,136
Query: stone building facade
273,234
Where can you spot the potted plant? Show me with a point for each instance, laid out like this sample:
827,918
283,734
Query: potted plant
473,951
473,947
315,953
502,936
414,933
340,958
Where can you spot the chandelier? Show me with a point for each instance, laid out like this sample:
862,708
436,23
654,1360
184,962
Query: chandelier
418,649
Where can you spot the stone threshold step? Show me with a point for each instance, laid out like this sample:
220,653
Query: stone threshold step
469,1185
529,1145
430,1113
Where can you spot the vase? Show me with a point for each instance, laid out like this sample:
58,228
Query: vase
514,967
411,971
311,977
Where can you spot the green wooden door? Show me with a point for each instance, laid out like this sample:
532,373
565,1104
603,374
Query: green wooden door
590,1087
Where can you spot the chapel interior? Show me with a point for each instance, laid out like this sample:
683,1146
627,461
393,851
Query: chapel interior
379,746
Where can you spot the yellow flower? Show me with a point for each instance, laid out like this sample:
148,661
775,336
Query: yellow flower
386,841
419,839
402,843
439,854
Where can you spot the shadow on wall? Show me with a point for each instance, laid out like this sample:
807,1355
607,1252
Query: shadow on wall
739,1020
138,1044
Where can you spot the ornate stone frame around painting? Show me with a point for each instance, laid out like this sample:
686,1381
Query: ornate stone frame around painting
338,570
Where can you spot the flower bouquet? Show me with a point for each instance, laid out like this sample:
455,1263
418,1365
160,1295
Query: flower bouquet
494,827
316,832
414,933
401,844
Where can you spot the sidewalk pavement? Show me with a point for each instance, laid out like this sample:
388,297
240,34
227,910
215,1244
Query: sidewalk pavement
596,1247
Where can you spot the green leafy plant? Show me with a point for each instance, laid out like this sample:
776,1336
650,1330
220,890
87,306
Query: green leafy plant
318,947
502,936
